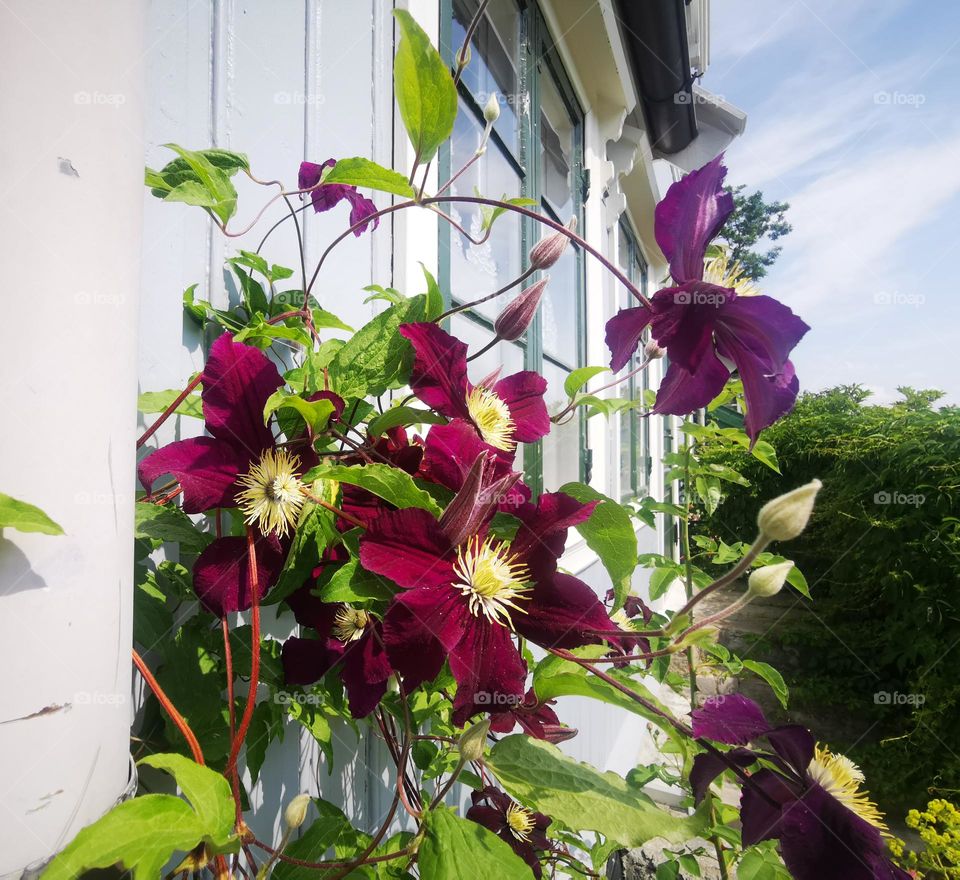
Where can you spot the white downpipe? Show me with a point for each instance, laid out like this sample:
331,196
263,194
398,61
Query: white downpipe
70,222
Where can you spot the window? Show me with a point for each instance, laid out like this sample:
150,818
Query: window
635,461
535,150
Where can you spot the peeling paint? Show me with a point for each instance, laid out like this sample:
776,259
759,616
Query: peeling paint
46,710
65,166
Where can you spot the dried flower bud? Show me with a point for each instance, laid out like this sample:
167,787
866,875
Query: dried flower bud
296,811
491,110
516,317
768,581
786,517
471,742
653,351
548,250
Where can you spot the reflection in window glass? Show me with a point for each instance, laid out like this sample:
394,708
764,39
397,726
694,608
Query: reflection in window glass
559,310
476,270
495,62
556,147
561,448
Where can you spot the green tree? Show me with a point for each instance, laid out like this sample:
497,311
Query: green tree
754,219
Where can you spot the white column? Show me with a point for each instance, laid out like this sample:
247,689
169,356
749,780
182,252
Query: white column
71,180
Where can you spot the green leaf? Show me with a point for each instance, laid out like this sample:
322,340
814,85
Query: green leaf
764,452
796,578
424,88
353,584
708,488
377,356
25,517
772,677
579,796
142,834
159,523
579,377
315,413
610,534
661,579
454,848
158,401
358,171
329,829
210,185
489,214
385,481
402,415
324,320
316,530
434,295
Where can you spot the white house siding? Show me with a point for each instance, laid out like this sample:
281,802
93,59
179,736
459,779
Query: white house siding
294,79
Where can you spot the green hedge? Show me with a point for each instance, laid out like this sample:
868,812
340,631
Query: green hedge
882,556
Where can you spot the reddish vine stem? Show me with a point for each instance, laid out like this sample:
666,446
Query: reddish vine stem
254,671
180,398
171,710
303,863
228,661
349,517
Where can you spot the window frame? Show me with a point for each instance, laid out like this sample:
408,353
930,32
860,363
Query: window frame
536,47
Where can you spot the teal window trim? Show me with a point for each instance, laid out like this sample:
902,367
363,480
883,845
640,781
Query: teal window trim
536,47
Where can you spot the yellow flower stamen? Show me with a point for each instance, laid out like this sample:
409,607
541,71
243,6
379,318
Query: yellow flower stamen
491,579
273,494
724,273
492,418
350,623
520,821
841,778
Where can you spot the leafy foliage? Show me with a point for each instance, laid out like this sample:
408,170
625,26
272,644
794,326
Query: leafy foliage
752,221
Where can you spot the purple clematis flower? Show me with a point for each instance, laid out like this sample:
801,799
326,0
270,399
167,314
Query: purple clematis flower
704,324
523,829
502,413
329,195
241,465
464,596
810,799
349,638
535,717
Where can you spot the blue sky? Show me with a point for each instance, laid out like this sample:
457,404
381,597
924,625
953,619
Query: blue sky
854,118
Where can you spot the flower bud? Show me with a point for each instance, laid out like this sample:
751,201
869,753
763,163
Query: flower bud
548,250
296,811
653,351
471,742
786,517
516,317
768,581
491,110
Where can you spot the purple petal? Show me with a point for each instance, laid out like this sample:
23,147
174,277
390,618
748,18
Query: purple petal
419,629
206,468
307,660
523,394
237,381
561,611
221,574
544,527
707,766
366,671
624,330
439,375
361,208
795,745
681,392
761,805
408,547
684,320
489,670
689,218
758,333
733,719
312,611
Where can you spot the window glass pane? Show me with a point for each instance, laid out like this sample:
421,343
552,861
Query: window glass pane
496,61
559,310
557,132
476,270
561,447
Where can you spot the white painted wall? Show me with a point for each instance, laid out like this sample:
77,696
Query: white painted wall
71,178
